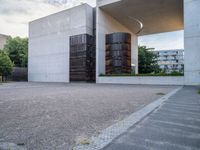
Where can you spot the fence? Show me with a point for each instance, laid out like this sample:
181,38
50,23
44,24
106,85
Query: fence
18,74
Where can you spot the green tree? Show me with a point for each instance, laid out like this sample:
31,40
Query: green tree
17,50
147,61
6,65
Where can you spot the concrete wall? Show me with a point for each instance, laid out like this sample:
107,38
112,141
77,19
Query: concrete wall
192,38
49,43
192,42
3,39
143,80
106,24
106,2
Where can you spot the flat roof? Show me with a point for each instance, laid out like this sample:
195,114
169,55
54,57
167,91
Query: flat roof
62,11
157,16
3,35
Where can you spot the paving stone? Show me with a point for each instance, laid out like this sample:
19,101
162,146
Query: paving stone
174,126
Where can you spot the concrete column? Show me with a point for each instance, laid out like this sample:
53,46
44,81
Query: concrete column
134,51
192,41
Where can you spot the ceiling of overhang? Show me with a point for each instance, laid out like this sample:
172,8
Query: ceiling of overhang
157,16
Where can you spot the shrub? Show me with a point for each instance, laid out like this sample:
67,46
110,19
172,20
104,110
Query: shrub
153,74
17,50
6,65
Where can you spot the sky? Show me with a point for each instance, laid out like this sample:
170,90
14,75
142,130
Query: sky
163,41
15,15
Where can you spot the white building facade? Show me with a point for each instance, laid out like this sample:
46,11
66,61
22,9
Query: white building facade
3,39
171,60
49,47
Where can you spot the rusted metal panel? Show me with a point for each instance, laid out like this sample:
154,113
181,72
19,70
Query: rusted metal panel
82,58
118,53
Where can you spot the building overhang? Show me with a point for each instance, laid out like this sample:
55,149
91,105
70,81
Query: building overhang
156,16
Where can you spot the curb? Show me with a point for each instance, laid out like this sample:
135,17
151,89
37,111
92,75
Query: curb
114,131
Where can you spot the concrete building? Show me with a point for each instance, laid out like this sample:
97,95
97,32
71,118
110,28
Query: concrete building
171,60
49,43
3,39
49,47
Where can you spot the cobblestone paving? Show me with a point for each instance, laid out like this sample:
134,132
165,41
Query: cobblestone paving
45,116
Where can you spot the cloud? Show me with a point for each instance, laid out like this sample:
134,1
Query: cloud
13,11
15,14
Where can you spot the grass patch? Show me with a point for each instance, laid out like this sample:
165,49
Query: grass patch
161,94
85,142
198,92
82,141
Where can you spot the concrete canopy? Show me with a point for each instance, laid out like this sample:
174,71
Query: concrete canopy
157,16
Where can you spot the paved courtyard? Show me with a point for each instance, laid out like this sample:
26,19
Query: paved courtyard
46,116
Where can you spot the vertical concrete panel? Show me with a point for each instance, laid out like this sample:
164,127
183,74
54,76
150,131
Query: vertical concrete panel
89,20
134,51
192,42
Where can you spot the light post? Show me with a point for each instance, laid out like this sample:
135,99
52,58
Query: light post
133,68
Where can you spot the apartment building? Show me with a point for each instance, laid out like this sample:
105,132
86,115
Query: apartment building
171,60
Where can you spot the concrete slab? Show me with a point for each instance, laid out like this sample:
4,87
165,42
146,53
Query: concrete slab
156,15
174,126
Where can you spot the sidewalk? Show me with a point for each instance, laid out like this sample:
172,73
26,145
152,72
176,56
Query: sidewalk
174,126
